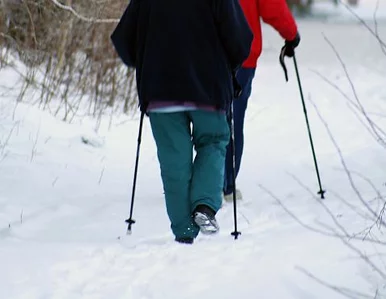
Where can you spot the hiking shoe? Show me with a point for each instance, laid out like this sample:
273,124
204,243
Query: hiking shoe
184,240
229,197
204,217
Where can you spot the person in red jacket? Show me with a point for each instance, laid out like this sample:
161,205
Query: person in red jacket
277,14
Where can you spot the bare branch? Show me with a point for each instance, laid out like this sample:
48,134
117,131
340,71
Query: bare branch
364,215
321,202
376,129
380,196
373,129
383,48
343,162
81,17
341,290
311,228
374,33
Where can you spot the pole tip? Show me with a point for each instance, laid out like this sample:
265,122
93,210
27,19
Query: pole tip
130,222
321,193
236,234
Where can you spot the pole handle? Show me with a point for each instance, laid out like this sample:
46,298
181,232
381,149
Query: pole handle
282,62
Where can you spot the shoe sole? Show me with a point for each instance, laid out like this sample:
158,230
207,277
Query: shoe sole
207,225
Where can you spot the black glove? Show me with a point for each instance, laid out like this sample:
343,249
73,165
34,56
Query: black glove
290,45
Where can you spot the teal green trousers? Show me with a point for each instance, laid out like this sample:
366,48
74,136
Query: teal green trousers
187,182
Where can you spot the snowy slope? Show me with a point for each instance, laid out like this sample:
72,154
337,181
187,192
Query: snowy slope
63,203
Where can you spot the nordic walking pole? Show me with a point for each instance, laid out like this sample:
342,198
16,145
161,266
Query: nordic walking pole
237,93
235,233
321,192
131,221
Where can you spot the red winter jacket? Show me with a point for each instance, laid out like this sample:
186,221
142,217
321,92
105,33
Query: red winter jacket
273,12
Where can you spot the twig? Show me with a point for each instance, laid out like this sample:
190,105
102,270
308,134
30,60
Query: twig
4,143
54,181
32,23
383,48
101,175
35,144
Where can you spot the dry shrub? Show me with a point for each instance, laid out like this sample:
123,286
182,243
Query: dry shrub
69,61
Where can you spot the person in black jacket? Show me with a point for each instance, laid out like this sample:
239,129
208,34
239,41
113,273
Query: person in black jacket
185,53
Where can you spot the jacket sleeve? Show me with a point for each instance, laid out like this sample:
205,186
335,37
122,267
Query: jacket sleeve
235,33
277,14
124,36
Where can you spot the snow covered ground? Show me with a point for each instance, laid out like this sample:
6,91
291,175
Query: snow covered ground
367,10
63,203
